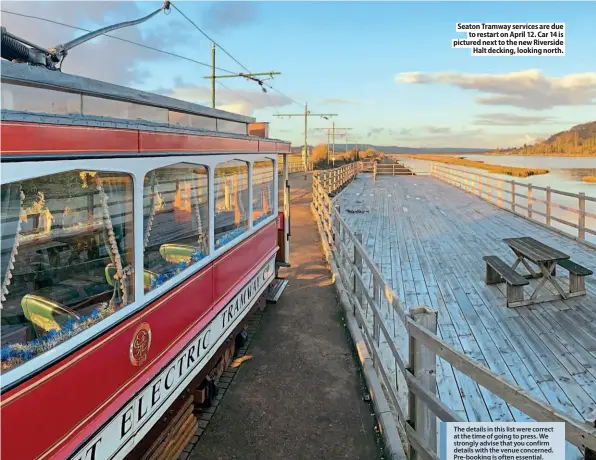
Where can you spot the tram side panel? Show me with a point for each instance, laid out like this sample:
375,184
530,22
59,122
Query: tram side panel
97,381
246,258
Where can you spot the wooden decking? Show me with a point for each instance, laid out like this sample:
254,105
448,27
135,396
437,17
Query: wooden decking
428,238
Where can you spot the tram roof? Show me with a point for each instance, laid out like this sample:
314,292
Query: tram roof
23,74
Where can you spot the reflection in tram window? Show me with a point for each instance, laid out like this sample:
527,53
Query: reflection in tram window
262,191
176,221
231,201
67,258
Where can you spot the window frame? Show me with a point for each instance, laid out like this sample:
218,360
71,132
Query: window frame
274,191
23,170
249,210
210,232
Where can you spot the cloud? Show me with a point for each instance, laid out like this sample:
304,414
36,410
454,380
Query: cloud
389,132
226,15
102,58
343,101
528,89
511,119
438,129
375,131
238,100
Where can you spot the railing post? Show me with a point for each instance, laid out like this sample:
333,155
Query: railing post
581,218
374,171
513,195
423,365
330,224
336,232
376,319
489,189
499,192
358,266
548,205
530,201
335,174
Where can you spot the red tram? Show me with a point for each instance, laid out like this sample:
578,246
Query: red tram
138,231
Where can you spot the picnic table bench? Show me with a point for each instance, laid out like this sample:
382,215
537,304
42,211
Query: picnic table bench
528,250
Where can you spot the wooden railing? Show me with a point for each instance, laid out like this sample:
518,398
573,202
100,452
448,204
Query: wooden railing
396,168
333,180
522,198
391,169
293,166
295,163
404,344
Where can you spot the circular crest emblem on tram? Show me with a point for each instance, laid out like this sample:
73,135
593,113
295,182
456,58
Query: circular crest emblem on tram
139,346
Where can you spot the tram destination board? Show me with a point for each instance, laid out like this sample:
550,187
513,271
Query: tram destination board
135,419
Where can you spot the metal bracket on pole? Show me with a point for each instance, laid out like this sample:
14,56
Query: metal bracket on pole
306,114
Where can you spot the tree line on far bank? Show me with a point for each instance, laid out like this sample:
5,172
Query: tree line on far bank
579,140
320,153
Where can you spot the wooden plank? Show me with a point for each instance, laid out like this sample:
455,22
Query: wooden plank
577,433
422,363
443,232
534,250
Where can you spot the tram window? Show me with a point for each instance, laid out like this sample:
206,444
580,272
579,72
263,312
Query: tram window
228,126
66,260
193,121
262,190
176,221
120,109
41,100
231,201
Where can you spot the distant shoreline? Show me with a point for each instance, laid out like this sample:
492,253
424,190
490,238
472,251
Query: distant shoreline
515,171
582,155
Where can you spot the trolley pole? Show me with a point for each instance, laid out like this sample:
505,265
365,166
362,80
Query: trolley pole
306,114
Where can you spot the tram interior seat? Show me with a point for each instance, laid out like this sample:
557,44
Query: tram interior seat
45,314
176,253
55,282
111,271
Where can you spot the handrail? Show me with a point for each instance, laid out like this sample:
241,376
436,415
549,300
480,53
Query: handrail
484,187
412,341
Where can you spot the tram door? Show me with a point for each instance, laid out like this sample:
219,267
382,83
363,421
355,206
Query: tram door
283,227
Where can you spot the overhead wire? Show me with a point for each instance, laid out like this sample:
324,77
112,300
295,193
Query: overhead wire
230,55
169,53
209,38
117,38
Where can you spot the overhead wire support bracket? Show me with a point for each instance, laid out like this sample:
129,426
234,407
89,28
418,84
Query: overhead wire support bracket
307,113
245,75
249,76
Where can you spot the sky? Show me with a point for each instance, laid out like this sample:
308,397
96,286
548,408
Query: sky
387,69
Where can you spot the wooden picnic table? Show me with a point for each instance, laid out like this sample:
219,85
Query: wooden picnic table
544,257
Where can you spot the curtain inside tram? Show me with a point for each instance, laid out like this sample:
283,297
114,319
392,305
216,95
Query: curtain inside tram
71,237
10,215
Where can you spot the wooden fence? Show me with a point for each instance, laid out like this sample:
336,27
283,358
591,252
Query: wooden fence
295,163
522,198
396,168
410,337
